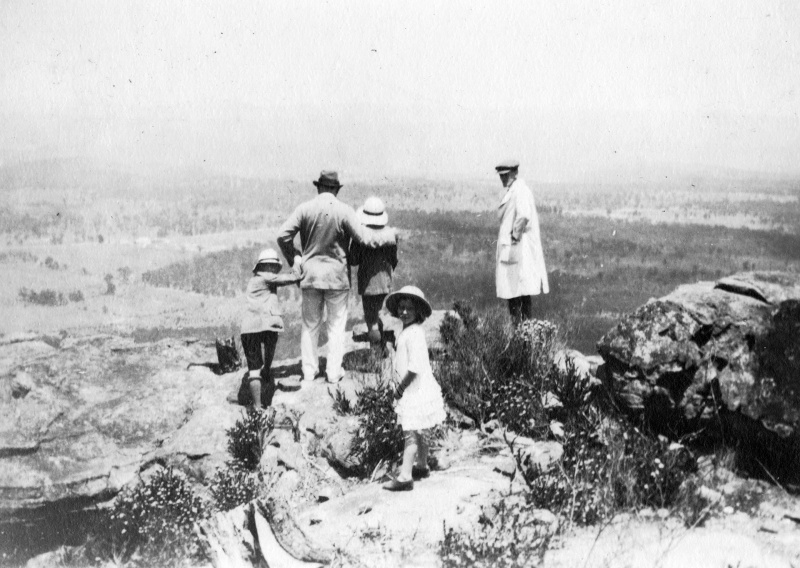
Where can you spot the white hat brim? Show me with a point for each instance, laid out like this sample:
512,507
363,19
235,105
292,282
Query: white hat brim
371,219
394,298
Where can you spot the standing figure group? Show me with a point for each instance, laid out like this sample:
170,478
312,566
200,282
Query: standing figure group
334,237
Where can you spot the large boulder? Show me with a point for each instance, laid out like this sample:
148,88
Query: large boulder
722,358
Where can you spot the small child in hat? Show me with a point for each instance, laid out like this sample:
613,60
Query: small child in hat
376,261
261,324
420,406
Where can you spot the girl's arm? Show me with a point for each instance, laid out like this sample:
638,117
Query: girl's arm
280,279
403,385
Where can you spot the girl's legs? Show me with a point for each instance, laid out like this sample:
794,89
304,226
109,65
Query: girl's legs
269,341
423,447
409,454
259,349
372,306
255,361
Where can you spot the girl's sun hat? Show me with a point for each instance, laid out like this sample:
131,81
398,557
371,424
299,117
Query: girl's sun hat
373,212
413,293
268,256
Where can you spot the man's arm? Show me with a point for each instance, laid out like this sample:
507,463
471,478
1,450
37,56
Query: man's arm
524,212
286,236
353,227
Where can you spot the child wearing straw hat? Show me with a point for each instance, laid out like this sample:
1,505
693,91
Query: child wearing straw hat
420,406
375,262
261,324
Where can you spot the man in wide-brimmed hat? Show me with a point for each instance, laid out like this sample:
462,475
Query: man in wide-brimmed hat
521,272
326,226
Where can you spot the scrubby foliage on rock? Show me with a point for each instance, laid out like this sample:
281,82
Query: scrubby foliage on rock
491,370
379,437
609,463
607,467
246,437
153,522
231,487
512,537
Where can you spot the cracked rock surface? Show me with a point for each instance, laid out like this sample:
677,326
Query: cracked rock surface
718,357
79,418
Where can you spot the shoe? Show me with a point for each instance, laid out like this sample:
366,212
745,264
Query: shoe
396,485
290,384
418,473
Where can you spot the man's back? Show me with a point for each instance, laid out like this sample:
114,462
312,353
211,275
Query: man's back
326,226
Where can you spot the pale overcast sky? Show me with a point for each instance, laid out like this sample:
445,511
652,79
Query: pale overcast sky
575,89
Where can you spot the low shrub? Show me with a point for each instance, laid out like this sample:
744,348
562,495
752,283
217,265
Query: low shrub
46,297
609,465
341,404
155,520
379,437
76,296
493,370
512,538
231,487
246,437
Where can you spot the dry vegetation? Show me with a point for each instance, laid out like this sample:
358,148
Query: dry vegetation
121,238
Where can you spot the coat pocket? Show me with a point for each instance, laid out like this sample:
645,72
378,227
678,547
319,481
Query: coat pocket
509,253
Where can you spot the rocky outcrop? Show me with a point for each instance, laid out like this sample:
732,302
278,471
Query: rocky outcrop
80,417
259,532
722,358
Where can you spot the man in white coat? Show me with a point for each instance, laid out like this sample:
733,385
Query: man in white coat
521,273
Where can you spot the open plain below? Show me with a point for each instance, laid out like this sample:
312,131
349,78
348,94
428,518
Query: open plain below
144,258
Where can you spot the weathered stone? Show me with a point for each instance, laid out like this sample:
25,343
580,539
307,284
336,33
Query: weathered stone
22,384
720,358
95,417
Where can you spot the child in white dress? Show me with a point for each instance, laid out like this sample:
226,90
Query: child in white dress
420,405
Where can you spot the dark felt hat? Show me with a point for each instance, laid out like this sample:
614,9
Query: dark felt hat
328,178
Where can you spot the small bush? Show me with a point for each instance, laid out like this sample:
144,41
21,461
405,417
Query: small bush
51,264
156,518
492,370
111,288
232,487
246,437
609,465
76,296
341,404
379,437
45,297
511,539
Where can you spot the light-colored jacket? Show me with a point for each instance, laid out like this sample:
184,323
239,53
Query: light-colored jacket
263,311
326,226
520,259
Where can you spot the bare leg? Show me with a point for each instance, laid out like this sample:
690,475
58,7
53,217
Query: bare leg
255,391
409,453
372,307
423,447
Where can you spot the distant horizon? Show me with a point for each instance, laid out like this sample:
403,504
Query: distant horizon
577,92
659,174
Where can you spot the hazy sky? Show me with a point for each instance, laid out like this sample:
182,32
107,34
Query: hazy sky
574,89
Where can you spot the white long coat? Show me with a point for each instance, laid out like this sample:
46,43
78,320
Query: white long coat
520,263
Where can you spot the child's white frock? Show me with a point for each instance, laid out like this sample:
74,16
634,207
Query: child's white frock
421,405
